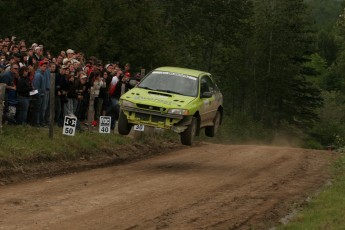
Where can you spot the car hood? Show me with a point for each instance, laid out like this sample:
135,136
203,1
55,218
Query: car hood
157,98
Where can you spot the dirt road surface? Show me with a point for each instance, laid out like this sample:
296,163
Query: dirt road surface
204,187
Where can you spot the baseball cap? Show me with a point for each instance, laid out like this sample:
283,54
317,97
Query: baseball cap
42,63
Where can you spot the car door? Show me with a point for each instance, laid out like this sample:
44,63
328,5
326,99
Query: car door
208,108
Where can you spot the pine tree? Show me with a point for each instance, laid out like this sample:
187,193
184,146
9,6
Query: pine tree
283,40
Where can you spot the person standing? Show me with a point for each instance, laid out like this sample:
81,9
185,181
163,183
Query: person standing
60,81
70,107
104,92
113,108
23,95
126,78
38,100
51,67
9,78
83,90
98,83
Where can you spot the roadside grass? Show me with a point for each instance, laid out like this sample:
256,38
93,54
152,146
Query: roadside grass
327,209
29,144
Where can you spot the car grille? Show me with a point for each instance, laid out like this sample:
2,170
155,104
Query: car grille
146,117
142,116
145,114
150,107
157,118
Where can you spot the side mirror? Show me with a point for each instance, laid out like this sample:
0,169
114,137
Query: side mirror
206,95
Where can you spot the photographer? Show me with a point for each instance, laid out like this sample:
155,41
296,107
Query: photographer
98,83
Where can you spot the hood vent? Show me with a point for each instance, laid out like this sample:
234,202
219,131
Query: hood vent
159,93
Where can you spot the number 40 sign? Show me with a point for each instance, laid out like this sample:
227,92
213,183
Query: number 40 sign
104,124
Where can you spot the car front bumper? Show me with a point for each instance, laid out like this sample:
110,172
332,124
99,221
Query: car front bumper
175,122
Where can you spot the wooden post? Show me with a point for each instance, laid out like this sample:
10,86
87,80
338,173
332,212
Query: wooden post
91,112
2,103
52,105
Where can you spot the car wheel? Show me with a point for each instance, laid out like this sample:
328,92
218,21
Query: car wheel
123,126
211,131
188,135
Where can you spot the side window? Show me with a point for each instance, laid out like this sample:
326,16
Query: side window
206,85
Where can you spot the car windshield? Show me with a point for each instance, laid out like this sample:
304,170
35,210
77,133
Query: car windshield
171,83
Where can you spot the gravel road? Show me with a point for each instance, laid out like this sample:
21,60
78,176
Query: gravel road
210,186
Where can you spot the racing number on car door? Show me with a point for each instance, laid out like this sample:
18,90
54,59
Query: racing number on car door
208,108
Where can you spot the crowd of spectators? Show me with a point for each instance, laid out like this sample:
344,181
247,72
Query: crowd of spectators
27,70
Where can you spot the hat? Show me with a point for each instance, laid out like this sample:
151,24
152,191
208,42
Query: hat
34,45
37,48
64,66
42,63
107,65
64,61
70,51
83,77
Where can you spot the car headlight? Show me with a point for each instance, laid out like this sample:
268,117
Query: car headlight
178,111
127,103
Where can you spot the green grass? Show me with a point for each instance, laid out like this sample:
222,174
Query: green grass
326,210
26,143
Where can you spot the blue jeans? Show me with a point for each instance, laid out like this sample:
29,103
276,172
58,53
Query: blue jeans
22,109
70,107
45,107
37,101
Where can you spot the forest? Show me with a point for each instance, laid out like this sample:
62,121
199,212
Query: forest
280,64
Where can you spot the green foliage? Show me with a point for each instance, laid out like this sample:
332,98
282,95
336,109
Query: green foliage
282,39
330,130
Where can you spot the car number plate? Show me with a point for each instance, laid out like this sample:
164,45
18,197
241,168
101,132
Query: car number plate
139,128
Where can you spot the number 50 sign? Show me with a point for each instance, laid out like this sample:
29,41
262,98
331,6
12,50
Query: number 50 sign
69,125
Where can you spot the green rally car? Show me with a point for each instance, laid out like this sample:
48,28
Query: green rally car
179,99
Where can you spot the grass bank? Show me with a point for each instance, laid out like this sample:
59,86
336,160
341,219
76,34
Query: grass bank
28,152
327,209
26,143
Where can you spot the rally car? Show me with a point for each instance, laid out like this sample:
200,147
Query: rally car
179,99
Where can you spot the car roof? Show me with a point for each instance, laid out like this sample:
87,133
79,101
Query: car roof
186,71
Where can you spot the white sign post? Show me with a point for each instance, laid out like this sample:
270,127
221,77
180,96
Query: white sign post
104,124
69,126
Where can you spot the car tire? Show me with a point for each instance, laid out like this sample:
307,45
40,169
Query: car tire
123,126
211,131
188,135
